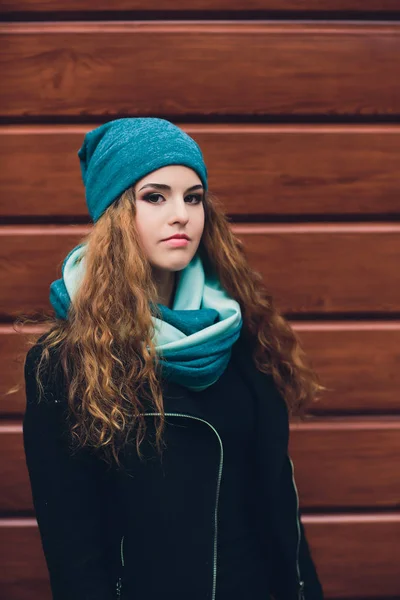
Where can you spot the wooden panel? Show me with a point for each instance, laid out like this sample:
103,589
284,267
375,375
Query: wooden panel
358,362
336,460
195,5
16,493
327,268
335,463
356,556
254,169
134,68
24,574
315,268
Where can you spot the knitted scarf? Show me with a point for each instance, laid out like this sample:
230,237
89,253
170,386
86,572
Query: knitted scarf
193,339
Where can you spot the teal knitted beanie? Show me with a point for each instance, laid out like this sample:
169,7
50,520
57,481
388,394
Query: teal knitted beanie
114,156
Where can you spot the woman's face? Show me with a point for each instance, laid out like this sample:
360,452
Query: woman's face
169,201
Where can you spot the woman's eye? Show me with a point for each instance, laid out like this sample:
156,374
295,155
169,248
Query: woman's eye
150,197
197,198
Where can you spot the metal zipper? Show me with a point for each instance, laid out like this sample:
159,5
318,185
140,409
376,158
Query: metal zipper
301,595
119,587
122,551
119,580
221,462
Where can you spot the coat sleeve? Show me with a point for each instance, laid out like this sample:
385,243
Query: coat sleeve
67,493
292,535
308,573
313,589
293,575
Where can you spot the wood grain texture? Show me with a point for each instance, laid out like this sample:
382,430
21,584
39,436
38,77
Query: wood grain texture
335,462
356,556
326,268
357,361
210,70
16,493
150,68
240,6
24,574
264,170
321,269
347,463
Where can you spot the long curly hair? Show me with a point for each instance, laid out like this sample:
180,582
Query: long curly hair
106,346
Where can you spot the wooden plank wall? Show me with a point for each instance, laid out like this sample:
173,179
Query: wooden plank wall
297,110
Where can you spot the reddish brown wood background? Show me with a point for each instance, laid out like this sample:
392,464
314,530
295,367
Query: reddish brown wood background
297,110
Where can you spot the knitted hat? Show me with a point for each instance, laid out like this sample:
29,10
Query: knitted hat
116,155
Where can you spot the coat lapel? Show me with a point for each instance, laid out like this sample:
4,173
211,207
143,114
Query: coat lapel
272,429
179,399
272,426
271,436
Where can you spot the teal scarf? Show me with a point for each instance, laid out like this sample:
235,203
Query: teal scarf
193,339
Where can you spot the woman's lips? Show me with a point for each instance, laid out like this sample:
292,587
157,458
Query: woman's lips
177,242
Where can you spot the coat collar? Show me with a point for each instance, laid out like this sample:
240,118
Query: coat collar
179,399
271,432
270,406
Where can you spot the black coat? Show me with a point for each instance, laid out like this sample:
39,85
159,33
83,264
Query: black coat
149,530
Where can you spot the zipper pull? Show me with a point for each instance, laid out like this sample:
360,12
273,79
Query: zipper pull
301,595
119,586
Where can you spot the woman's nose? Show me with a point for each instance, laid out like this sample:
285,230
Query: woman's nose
180,211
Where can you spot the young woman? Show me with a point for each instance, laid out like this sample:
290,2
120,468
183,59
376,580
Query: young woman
158,400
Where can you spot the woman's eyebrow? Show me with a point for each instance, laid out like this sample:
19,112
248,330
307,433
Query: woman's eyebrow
162,186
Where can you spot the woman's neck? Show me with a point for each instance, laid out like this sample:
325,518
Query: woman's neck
166,284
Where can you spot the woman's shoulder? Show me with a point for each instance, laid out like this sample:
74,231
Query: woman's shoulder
35,352
50,372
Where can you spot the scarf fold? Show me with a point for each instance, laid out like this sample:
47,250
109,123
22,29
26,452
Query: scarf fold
194,339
